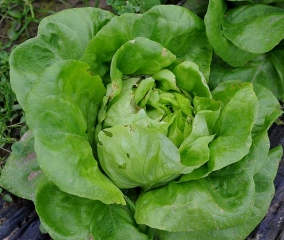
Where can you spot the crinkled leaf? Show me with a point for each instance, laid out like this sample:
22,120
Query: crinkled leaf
22,174
255,28
218,201
61,111
264,191
68,217
64,35
136,156
122,109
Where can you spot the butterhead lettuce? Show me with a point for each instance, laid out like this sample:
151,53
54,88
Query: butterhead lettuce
129,140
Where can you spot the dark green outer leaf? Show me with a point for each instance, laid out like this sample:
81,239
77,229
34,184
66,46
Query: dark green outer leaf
229,52
63,35
199,7
175,28
61,111
68,217
263,22
266,70
22,174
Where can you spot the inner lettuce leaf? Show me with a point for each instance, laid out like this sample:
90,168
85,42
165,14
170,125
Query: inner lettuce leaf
67,91
127,140
136,156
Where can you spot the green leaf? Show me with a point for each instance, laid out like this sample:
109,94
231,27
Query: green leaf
22,174
218,201
144,86
264,191
63,104
233,139
229,52
63,35
135,57
187,39
199,7
194,150
190,78
263,22
268,111
166,80
266,70
141,56
68,217
122,108
136,156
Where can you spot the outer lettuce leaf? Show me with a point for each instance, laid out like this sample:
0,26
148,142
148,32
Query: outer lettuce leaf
136,156
61,111
61,36
266,70
199,7
220,205
269,109
264,191
67,217
175,28
218,201
229,52
22,174
263,22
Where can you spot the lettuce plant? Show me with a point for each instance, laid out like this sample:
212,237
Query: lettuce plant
126,139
